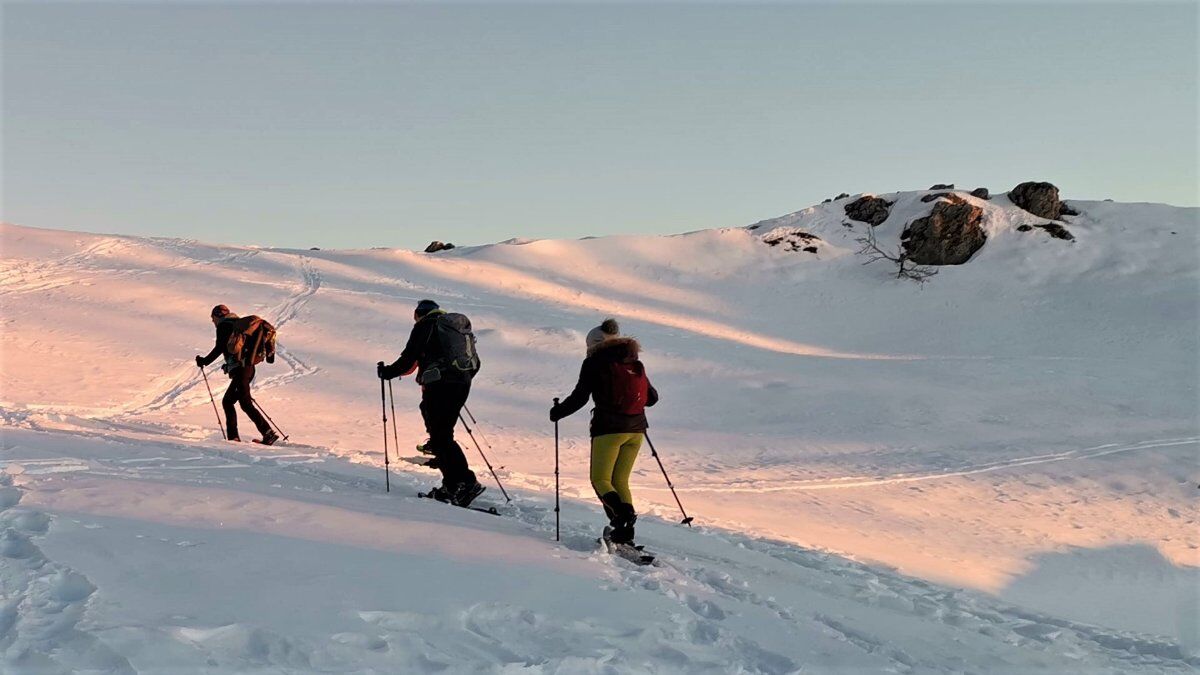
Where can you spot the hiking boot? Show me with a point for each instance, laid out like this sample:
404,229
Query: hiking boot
234,439
439,493
466,493
622,524
270,437
424,448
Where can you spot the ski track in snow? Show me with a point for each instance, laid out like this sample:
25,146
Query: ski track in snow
184,387
28,277
859,481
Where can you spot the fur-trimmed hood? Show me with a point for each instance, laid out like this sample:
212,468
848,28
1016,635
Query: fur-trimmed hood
618,348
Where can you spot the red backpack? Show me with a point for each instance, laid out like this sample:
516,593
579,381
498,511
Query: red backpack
628,387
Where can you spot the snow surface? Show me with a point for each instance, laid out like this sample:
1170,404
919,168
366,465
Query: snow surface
994,471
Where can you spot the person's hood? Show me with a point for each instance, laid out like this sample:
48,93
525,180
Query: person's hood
618,348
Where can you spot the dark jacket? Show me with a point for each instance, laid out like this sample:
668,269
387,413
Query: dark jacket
224,331
593,376
423,350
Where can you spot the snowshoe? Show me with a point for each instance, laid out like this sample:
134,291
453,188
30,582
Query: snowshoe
268,438
422,460
630,551
439,493
442,496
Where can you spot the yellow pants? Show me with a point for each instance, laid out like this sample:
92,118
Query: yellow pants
613,456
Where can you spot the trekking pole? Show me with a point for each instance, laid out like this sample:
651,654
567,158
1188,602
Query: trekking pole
392,400
214,403
687,520
387,472
485,459
264,412
556,476
476,423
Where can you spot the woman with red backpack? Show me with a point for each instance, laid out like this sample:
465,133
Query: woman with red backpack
614,378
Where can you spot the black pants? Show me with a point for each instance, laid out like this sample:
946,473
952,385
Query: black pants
441,403
239,392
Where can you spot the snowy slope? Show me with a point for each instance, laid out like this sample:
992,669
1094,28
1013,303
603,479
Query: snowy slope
1024,426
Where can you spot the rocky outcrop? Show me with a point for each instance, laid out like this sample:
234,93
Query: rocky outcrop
1053,229
868,209
1040,199
934,196
942,186
949,235
794,240
981,193
435,246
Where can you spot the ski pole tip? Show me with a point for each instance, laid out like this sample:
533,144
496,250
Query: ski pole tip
687,521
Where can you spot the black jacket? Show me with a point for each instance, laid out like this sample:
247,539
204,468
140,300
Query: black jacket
224,330
592,378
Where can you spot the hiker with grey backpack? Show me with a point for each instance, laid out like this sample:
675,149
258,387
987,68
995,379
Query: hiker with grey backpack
244,342
441,350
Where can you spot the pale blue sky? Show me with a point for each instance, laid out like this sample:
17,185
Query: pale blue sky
354,125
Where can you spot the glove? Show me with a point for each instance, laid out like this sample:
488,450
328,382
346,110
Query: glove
199,361
385,372
555,414
270,358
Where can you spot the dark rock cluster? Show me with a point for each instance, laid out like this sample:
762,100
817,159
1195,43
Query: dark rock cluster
1040,199
1053,229
868,209
949,235
797,240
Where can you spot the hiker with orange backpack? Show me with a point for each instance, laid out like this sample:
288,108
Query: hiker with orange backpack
614,378
244,342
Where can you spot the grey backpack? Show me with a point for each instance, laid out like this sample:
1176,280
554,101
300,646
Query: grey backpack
459,361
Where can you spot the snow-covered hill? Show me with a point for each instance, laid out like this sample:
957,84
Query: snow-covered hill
1024,426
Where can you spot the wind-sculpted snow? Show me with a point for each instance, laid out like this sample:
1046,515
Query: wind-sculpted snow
1038,400
42,602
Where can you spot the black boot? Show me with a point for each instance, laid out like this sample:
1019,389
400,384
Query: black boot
623,528
466,493
439,493
621,517
611,501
